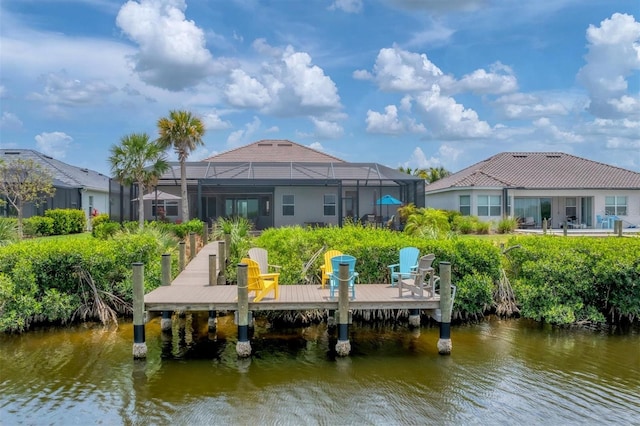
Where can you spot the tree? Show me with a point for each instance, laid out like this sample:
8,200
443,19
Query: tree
184,132
25,181
138,161
431,174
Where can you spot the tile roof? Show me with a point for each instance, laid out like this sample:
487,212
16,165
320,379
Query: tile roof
274,150
64,175
539,170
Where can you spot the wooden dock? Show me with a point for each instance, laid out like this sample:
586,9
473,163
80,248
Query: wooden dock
190,291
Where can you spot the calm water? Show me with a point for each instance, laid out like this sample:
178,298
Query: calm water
500,372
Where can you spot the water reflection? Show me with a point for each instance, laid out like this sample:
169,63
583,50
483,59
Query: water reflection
499,372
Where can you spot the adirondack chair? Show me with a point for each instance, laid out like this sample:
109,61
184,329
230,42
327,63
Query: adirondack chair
261,284
326,268
421,280
408,264
261,256
334,279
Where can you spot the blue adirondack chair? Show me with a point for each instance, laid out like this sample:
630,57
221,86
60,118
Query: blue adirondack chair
408,264
334,277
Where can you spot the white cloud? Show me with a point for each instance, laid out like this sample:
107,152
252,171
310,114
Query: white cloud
482,82
172,50
545,127
245,91
261,46
349,6
449,119
10,121
317,146
438,34
213,121
419,160
60,89
54,144
527,105
3,91
624,144
243,136
398,70
387,123
613,55
327,129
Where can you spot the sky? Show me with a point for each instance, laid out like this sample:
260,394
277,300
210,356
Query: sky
411,83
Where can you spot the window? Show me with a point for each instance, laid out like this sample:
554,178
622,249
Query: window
165,208
615,205
489,205
465,205
329,205
288,205
570,207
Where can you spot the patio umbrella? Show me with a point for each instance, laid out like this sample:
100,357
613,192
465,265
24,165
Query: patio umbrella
161,195
388,200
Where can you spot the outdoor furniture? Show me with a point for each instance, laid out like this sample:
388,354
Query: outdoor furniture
334,278
326,268
408,263
261,256
529,222
261,284
421,280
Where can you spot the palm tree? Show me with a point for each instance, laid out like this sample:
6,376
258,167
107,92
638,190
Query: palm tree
138,161
184,132
436,173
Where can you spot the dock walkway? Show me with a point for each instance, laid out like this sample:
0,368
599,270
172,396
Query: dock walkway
190,291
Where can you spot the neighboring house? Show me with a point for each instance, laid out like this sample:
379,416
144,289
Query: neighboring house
76,188
278,182
538,185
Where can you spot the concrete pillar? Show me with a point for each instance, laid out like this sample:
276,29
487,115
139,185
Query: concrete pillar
222,263
544,225
564,228
444,343
343,346
243,347
213,320
182,256
139,343
414,318
617,227
165,322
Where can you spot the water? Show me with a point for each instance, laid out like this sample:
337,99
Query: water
500,372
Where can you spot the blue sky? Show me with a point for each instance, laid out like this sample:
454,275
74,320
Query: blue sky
398,82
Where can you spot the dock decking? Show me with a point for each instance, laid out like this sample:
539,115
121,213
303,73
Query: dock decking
190,291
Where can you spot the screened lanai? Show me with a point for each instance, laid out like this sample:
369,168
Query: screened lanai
288,193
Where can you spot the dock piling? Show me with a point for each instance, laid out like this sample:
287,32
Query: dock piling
222,262
192,246
182,256
165,322
414,318
139,344
444,343
243,347
343,346
213,280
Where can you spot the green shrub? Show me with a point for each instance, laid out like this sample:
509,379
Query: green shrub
8,230
465,224
474,296
67,221
38,226
101,218
483,227
428,223
507,225
105,230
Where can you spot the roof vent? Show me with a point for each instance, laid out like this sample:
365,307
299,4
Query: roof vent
84,170
11,153
46,156
553,156
284,144
520,156
265,144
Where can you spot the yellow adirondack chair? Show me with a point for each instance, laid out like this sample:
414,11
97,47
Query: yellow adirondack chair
327,269
261,284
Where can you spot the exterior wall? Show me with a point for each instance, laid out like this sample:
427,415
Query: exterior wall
308,205
100,202
449,200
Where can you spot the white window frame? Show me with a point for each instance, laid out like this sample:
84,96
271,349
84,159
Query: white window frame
330,205
467,207
288,205
615,205
493,204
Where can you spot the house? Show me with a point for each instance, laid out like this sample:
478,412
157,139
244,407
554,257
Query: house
76,188
538,185
277,183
